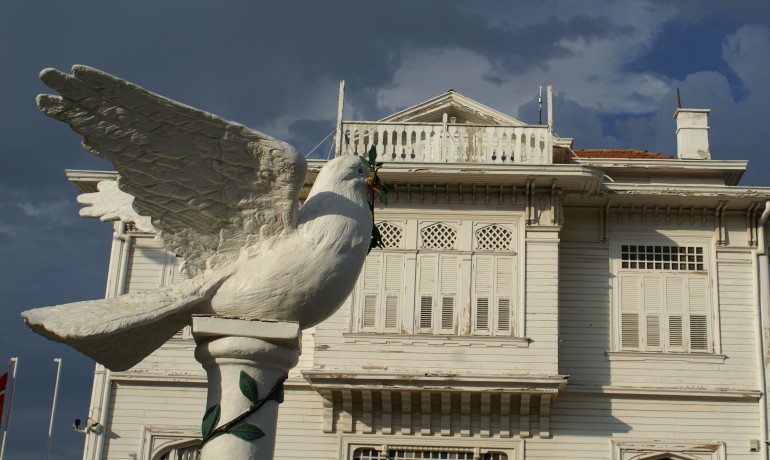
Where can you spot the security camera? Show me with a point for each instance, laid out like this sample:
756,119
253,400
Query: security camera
92,426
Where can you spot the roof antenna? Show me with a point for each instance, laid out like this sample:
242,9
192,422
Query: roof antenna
540,106
678,100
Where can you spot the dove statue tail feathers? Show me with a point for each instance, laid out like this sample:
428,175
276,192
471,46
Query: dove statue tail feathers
119,332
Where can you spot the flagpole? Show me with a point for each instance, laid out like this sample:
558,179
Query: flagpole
53,407
15,362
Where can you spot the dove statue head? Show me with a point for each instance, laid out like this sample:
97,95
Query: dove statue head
344,173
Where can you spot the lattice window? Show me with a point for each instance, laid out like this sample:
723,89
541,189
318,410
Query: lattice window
494,238
438,236
391,234
640,257
419,453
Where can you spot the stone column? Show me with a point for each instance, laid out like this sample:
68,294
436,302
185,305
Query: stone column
244,361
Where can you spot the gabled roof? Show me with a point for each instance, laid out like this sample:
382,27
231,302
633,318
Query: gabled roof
621,153
456,105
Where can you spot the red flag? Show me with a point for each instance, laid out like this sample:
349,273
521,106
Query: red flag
3,384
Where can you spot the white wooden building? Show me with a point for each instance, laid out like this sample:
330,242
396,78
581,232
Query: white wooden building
532,302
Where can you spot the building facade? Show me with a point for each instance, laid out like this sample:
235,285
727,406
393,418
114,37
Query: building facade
531,302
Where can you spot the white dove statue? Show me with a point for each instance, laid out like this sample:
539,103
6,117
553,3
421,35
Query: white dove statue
222,197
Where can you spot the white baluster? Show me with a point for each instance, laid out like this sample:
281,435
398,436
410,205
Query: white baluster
411,141
524,146
507,144
422,137
381,143
462,143
402,143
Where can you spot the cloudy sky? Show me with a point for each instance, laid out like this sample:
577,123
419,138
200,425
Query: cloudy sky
615,67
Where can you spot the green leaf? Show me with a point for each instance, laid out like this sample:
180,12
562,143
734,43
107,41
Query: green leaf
383,195
249,387
246,431
372,155
210,420
368,165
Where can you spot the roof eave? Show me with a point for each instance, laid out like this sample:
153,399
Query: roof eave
730,170
85,181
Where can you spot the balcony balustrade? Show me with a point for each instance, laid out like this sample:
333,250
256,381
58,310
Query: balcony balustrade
448,143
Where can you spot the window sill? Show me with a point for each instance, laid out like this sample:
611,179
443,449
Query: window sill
437,340
659,356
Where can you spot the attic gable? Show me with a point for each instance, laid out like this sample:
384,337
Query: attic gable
454,104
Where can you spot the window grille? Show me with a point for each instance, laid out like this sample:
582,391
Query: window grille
391,234
438,236
494,238
639,257
419,453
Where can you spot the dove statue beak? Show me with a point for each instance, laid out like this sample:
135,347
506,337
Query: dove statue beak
371,185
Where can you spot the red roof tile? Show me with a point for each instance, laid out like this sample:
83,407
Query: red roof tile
621,153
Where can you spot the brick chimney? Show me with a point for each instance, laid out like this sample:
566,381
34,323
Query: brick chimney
692,134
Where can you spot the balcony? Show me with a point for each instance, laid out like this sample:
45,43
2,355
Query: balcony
412,142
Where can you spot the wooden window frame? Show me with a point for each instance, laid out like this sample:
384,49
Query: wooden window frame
494,296
658,314
384,321
440,295
465,248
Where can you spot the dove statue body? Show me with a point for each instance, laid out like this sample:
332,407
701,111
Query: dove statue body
222,197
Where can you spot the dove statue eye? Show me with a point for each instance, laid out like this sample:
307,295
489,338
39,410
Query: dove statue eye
360,170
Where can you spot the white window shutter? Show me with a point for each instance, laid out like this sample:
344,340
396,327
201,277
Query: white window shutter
426,312
652,291
371,292
448,291
447,313
629,310
697,296
391,313
675,309
427,290
483,292
394,269
504,291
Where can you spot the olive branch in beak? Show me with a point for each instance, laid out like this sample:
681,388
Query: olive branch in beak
377,189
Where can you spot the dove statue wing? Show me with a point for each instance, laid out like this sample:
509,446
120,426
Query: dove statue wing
238,185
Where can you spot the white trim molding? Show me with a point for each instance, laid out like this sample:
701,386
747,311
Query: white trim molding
641,449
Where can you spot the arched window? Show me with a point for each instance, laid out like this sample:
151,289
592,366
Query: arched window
188,449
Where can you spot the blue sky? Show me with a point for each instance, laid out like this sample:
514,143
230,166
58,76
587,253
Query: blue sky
275,67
